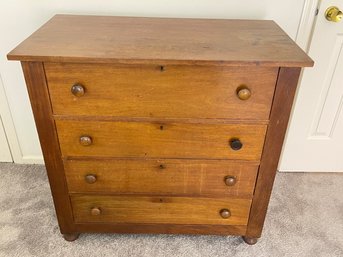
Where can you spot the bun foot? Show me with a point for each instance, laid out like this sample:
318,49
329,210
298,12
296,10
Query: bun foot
250,240
71,237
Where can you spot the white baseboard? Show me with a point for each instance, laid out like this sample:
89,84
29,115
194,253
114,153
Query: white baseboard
31,159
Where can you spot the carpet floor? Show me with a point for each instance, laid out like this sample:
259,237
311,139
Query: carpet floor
305,218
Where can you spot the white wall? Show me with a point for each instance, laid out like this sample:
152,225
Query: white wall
19,18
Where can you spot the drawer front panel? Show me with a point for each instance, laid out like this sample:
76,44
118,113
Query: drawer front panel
174,210
175,92
142,139
165,176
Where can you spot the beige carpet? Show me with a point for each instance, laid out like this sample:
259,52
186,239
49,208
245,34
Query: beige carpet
305,218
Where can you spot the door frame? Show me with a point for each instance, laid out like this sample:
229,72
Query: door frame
306,24
5,152
9,128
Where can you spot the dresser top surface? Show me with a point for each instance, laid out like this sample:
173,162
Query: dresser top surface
132,40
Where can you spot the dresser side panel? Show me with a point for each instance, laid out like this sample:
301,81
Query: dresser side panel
284,94
41,107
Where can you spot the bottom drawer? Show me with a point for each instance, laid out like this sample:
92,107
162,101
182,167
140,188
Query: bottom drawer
147,209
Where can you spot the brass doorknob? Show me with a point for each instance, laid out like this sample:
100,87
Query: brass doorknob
230,180
333,14
86,140
225,213
90,178
243,93
95,211
77,90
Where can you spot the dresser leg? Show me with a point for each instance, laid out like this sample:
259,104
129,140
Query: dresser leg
71,237
250,240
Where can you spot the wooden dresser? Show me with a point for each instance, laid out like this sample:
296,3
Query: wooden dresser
156,125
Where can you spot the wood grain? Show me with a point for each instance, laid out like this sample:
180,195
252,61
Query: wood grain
174,140
162,176
161,41
159,209
282,104
158,103
39,97
175,92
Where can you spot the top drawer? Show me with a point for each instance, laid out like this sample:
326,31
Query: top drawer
161,91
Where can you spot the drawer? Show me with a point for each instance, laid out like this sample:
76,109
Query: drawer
172,140
174,92
164,176
173,210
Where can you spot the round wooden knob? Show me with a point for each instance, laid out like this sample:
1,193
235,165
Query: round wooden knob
77,90
95,211
243,93
236,144
90,178
86,140
230,180
225,213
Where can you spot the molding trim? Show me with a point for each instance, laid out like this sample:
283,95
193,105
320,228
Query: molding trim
11,133
8,124
307,20
5,152
32,159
